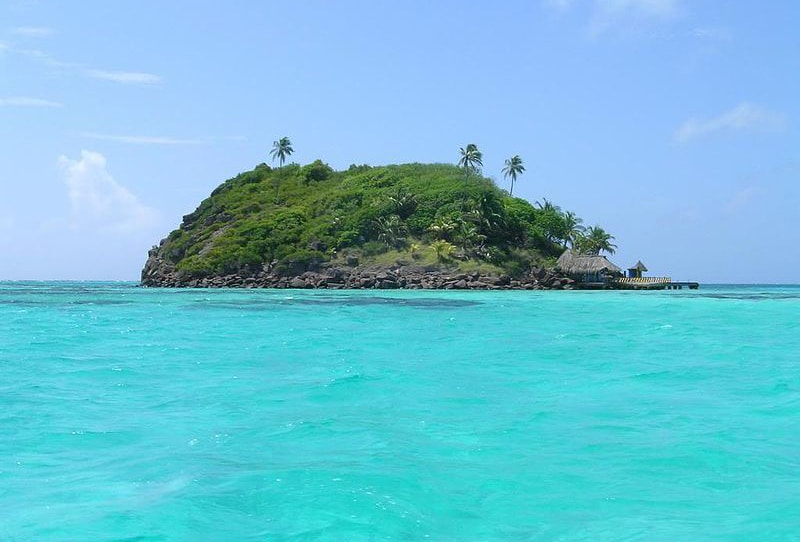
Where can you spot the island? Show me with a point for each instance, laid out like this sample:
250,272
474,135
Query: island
414,226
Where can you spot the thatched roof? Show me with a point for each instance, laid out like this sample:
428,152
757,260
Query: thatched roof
574,263
639,266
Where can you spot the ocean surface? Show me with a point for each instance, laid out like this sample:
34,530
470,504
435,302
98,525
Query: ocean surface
131,414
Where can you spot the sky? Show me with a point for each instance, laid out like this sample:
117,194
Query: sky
670,123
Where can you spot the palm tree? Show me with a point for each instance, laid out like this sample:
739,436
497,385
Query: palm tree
471,159
573,228
281,149
547,206
596,240
391,230
403,203
485,212
442,228
467,235
513,168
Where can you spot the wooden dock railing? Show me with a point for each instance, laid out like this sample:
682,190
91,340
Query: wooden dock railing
644,280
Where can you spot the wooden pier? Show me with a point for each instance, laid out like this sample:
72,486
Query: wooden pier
680,285
652,283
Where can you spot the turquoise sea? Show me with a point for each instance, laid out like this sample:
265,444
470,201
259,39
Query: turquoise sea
135,414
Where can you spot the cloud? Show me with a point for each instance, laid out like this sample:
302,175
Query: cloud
39,56
741,199
72,68
611,13
712,33
745,116
26,101
560,5
33,31
127,78
100,202
144,140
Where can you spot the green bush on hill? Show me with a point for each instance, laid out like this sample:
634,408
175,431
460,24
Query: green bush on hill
296,217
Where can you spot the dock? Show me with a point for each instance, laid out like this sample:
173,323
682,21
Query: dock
652,283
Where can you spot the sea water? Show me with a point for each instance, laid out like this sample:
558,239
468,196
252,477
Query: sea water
153,414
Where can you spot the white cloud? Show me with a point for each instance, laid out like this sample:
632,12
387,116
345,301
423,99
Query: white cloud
128,78
144,140
607,14
741,199
27,101
33,31
712,33
41,57
560,5
98,201
745,116
611,13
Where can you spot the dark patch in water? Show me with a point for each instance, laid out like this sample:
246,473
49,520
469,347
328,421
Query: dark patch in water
763,296
51,303
258,304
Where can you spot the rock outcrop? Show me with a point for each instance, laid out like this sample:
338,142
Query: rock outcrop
159,273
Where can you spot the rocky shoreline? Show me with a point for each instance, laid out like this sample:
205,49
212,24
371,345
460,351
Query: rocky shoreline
411,277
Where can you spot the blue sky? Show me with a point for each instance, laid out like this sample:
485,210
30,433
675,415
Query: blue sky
671,123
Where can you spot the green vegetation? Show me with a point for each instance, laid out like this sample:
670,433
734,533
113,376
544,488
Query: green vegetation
296,217
596,240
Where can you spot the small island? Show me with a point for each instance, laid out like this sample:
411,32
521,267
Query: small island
414,226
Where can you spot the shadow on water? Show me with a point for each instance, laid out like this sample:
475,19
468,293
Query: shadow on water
755,296
259,304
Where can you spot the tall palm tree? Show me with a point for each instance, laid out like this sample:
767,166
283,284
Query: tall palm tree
281,149
573,228
596,241
513,168
471,159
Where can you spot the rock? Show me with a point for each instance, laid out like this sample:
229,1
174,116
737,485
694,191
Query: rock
297,282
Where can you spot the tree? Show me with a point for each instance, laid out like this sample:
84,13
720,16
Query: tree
403,203
573,228
547,205
442,228
595,241
467,235
486,213
513,168
471,159
391,230
281,149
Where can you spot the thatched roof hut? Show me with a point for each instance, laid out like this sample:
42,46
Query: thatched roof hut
586,267
640,267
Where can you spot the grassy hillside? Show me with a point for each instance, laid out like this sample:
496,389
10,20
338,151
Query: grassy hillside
296,217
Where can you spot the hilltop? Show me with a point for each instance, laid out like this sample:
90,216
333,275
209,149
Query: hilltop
291,225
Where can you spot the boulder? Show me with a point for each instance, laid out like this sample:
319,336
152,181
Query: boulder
297,282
